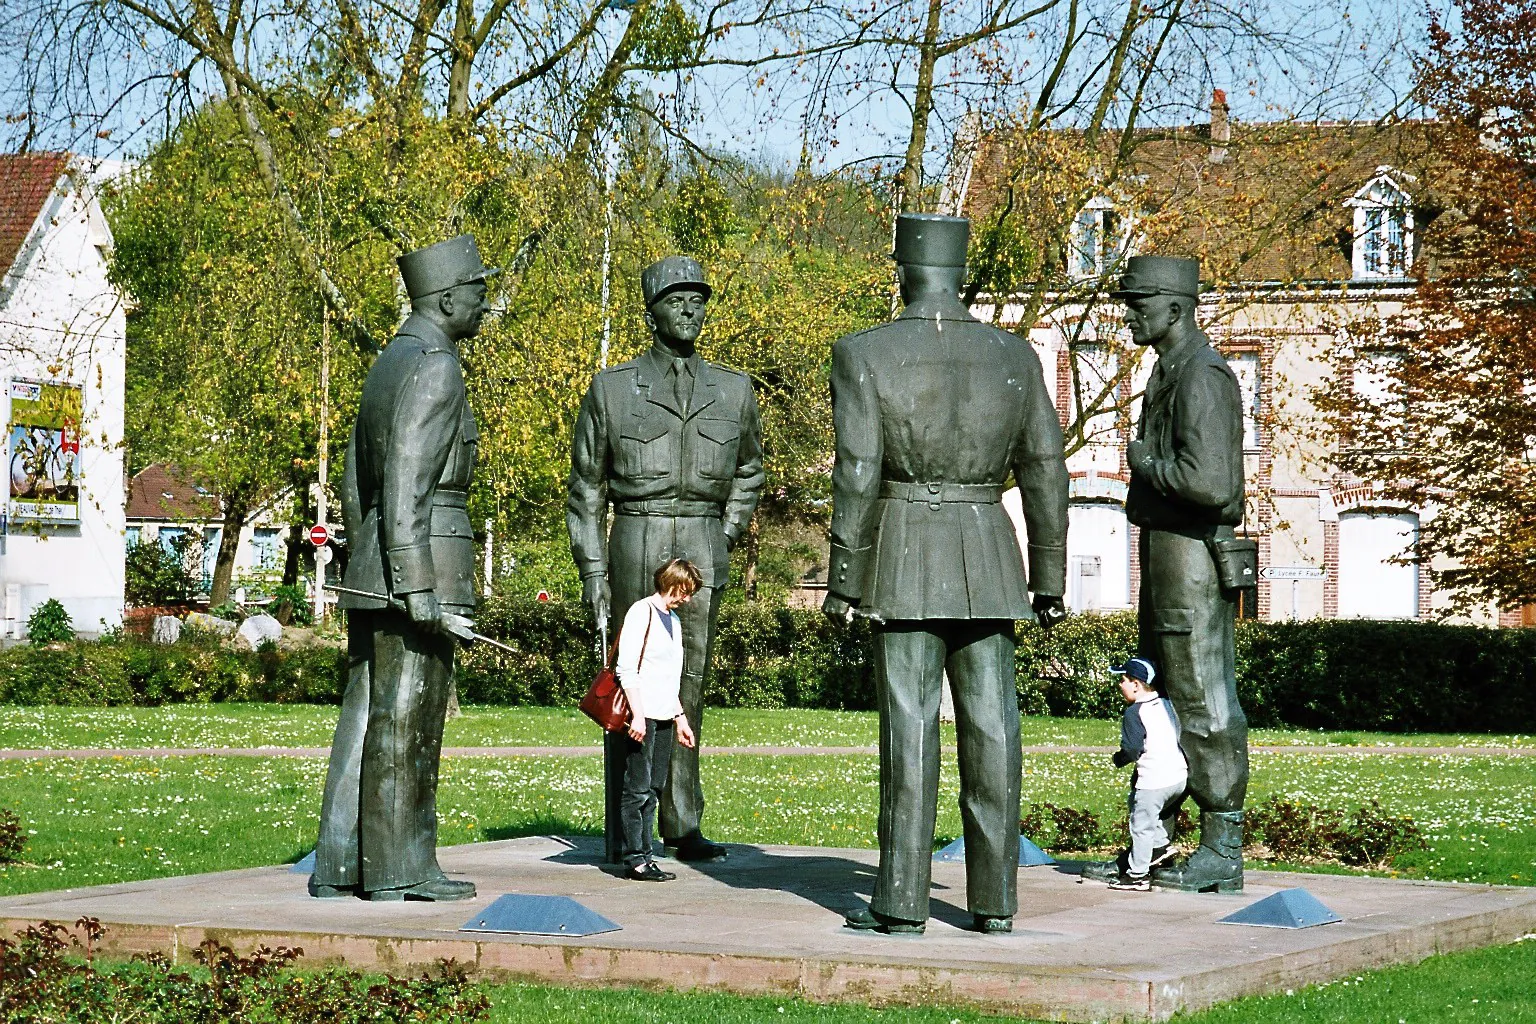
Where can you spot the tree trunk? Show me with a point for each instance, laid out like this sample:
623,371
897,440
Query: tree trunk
909,183
750,553
229,545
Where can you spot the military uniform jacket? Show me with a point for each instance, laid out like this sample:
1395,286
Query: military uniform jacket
407,474
1192,422
698,471
932,411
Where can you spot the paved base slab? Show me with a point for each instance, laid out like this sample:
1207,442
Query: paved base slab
769,920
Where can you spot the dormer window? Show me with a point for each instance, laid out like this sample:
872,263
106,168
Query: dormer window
1098,239
1383,228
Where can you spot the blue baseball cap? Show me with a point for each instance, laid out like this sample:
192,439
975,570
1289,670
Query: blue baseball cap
1137,668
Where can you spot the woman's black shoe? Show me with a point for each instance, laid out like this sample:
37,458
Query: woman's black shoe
647,871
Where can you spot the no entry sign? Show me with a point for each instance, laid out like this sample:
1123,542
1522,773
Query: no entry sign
318,535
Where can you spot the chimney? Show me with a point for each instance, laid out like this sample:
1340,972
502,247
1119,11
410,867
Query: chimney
1221,128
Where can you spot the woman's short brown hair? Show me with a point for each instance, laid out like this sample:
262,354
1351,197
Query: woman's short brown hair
678,574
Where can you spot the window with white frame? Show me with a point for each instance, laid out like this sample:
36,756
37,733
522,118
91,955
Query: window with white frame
1383,227
1098,239
1245,366
1377,576
1374,375
1094,368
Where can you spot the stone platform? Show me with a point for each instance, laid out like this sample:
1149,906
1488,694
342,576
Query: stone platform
768,921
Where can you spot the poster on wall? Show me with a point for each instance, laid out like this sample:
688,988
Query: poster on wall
43,440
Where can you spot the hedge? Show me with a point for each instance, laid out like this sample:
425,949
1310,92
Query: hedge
1334,674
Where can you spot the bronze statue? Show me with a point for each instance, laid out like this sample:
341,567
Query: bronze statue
932,411
1186,494
674,444
410,571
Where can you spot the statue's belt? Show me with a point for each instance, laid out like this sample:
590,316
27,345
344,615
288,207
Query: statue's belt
443,498
676,507
936,494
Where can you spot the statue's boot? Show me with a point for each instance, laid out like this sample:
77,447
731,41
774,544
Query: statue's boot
1114,870
1107,870
1217,865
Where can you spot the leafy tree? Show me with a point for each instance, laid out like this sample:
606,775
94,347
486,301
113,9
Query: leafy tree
1436,404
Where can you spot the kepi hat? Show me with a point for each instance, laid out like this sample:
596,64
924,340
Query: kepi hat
931,240
671,273
1159,275
442,266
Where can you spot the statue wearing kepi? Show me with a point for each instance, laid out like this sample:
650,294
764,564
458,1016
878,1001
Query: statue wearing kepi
1186,494
932,412
673,443
409,588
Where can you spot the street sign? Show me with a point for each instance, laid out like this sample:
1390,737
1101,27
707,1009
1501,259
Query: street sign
318,535
323,554
1293,572
543,595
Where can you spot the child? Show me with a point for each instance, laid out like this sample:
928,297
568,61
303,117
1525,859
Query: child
1149,736
650,669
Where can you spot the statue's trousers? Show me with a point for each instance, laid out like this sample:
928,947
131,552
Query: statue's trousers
911,658
378,819
1187,626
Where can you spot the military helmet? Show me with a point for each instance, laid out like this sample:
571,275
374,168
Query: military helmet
1159,275
931,240
445,265
671,273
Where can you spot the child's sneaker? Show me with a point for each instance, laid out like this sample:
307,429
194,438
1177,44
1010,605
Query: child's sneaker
1161,854
1134,883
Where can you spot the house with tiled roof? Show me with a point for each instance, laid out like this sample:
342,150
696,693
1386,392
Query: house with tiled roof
62,349
171,509
1301,229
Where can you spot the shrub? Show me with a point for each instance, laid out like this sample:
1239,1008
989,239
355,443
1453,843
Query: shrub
1374,838
1296,830
290,605
46,973
1064,672
1293,830
153,574
122,669
50,624
1056,828
13,838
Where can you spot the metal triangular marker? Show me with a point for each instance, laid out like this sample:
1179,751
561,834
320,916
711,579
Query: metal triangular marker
1030,855
538,915
1288,908
305,865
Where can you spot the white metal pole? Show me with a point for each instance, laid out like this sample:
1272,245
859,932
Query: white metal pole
490,539
608,170
325,455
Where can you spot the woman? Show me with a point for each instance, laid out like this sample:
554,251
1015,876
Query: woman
650,669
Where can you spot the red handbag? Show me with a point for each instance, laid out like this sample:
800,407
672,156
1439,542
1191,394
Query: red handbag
605,702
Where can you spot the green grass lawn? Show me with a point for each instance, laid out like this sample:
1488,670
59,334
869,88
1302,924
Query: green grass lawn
311,725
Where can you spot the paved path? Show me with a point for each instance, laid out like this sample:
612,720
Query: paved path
770,751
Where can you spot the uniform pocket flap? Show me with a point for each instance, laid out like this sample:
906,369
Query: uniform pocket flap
1173,620
723,431
643,430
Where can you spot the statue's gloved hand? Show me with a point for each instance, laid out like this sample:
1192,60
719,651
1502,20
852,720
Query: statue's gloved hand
424,610
838,608
1137,454
1048,610
596,596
